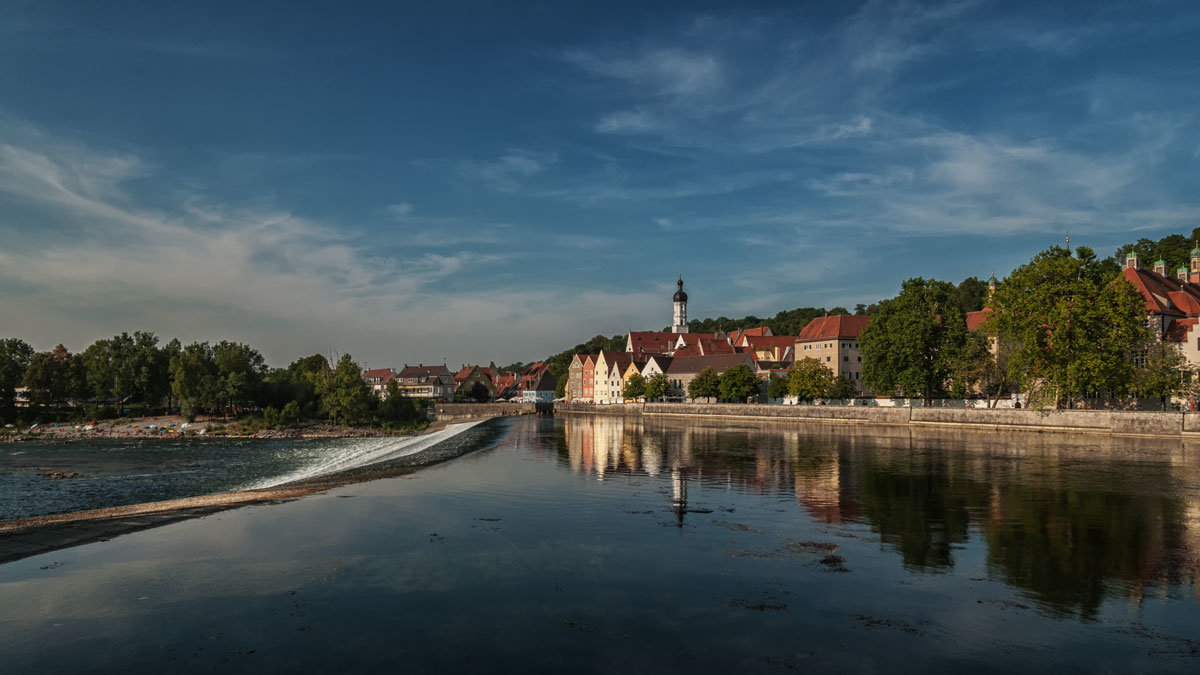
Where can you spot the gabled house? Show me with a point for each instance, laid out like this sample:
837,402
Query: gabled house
541,388
769,347
833,341
421,381
378,378
1172,302
468,377
609,376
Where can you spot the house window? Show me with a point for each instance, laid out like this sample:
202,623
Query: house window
860,359
828,359
846,359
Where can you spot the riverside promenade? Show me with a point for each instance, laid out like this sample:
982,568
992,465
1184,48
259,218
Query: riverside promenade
1104,422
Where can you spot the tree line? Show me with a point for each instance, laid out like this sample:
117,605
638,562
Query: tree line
1064,327
134,373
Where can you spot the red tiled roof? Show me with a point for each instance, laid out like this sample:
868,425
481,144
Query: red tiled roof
651,342
694,364
770,341
1156,291
385,373
975,319
834,327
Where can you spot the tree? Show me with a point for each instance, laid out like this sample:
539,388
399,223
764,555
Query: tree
478,393
912,339
1073,323
970,295
15,355
240,370
739,383
841,388
53,376
809,379
657,386
128,368
777,386
395,407
970,363
635,387
345,398
706,384
195,379
1163,372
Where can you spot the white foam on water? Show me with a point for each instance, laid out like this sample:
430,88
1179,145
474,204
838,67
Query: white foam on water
369,451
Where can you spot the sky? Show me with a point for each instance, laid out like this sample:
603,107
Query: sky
477,181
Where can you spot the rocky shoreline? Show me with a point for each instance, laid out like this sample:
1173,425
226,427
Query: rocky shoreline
173,428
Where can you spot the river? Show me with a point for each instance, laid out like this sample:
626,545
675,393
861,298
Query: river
600,544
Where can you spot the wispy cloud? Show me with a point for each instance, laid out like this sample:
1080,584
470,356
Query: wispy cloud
507,172
203,270
655,72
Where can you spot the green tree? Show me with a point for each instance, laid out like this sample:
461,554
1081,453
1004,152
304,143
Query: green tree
635,387
1074,325
912,340
15,355
128,368
195,379
970,295
479,393
240,370
970,364
777,386
841,388
395,407
657,387
809,379
706,384
739,383
345,398
1163,372
53,376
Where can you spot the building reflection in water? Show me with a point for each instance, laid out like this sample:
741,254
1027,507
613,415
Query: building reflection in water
1071,520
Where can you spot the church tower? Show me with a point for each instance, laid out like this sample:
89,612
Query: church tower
680,324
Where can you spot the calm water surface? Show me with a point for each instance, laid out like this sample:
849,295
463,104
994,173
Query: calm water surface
606,545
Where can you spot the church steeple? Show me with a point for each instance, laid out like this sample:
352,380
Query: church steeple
679,323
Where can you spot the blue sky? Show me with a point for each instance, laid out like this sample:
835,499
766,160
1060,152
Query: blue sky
478,181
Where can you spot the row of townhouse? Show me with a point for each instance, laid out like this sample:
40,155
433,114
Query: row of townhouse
681,355
536,383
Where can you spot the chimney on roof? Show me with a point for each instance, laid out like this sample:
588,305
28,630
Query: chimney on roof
1160,267
1182,275
1132,260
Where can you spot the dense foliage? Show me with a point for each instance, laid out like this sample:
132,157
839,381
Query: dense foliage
1074,323
739,383
913,340
133,373
809,379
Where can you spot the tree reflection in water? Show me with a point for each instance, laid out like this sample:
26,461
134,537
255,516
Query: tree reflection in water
1070,520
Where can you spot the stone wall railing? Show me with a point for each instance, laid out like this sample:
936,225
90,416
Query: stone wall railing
1174,424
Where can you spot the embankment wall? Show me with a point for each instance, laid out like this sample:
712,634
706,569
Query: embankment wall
474,411
1117,423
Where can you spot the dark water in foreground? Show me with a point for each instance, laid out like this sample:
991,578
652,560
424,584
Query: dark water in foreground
600,545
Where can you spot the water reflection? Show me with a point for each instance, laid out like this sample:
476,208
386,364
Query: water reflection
1070,521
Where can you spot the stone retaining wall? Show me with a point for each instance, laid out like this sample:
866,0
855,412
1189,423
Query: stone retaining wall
1107,422
469,411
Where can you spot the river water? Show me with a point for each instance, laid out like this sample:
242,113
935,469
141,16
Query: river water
607,545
